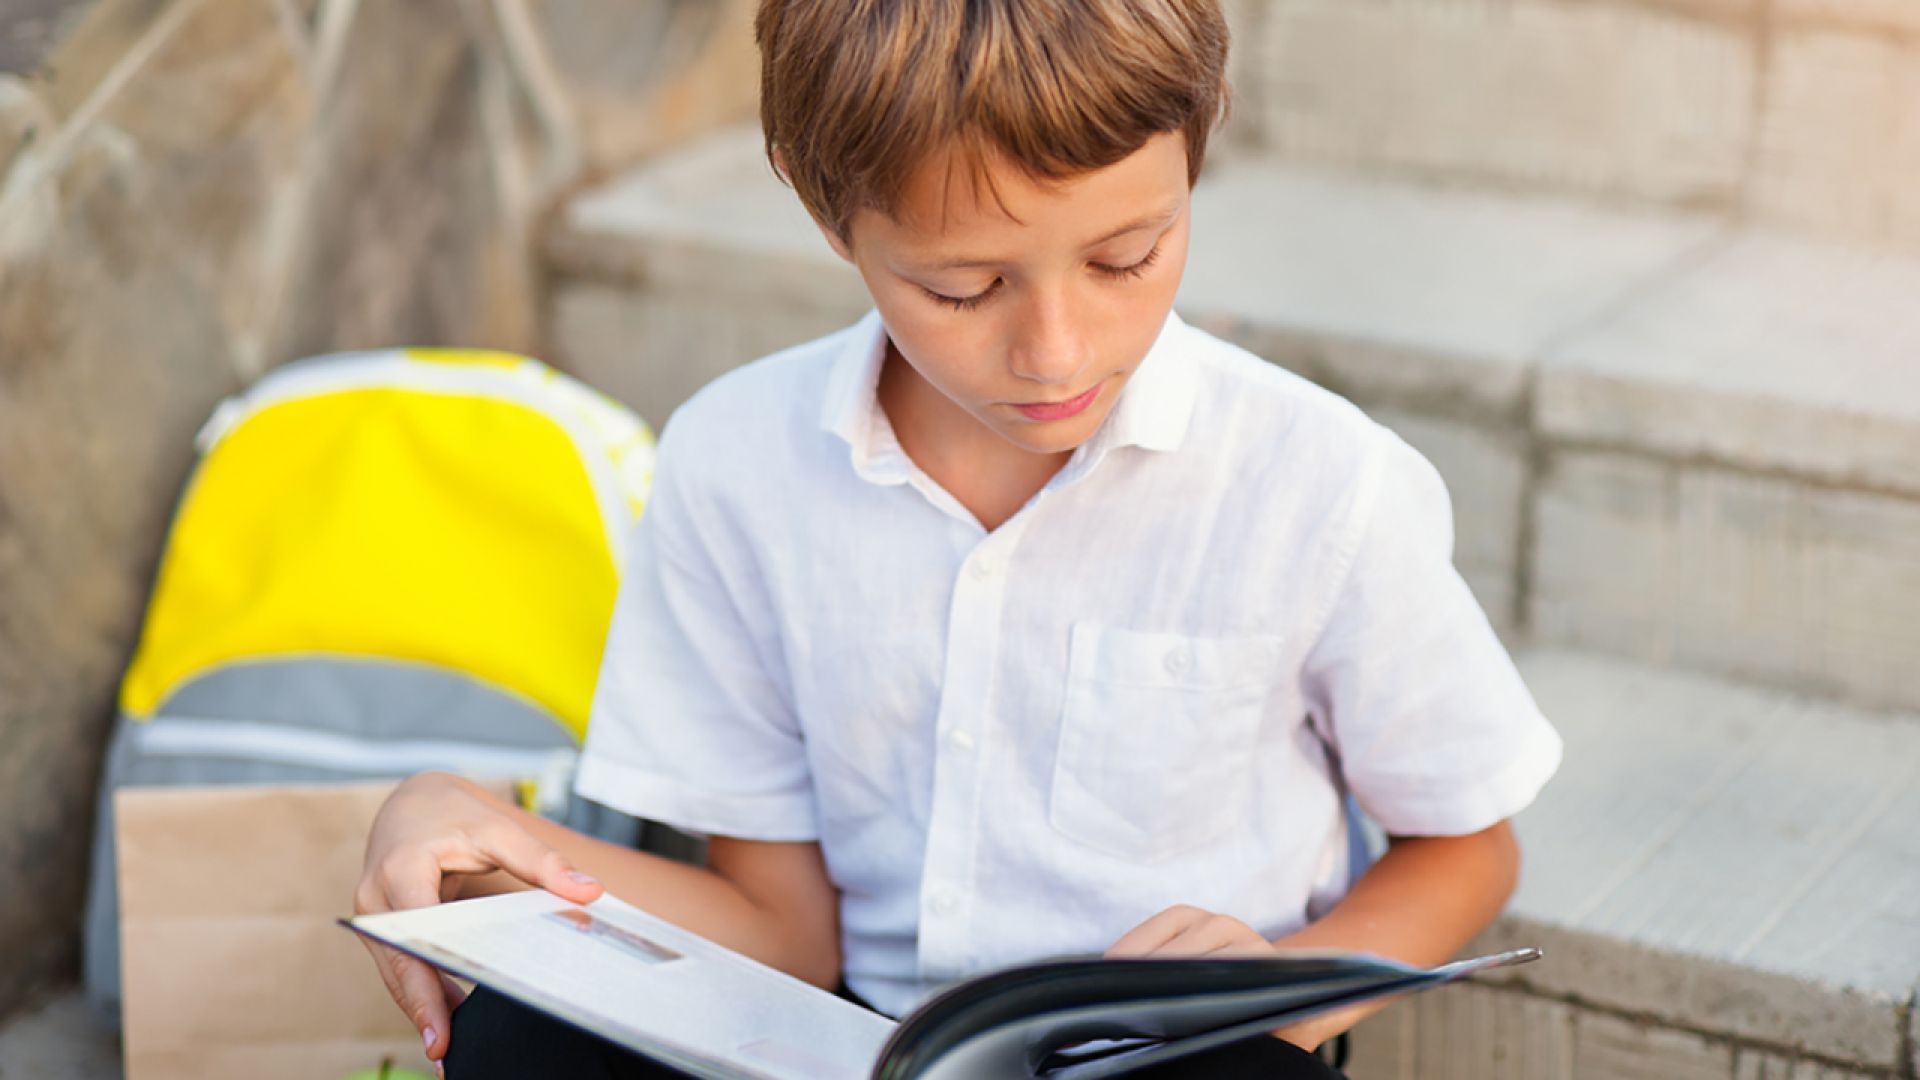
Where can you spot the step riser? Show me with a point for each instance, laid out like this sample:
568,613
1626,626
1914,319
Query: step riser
1790,112
1473,1033
1619,100
1521,1031
1704,1018
1772,579
1486,473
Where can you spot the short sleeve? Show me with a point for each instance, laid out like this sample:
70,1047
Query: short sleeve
692,724
1435,732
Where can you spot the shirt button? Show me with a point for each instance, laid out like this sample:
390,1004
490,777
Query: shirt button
982,568
960,740
1179,660
944,902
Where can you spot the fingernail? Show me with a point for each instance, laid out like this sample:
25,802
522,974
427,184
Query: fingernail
584,879
427,1036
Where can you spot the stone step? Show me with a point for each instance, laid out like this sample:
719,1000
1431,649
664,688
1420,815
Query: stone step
1723,880
1792,112
1665,437
57,1037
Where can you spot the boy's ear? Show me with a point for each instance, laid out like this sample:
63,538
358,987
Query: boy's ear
838,245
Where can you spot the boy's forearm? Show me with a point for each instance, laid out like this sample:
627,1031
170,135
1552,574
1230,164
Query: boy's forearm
1423,900
1420,903
734,905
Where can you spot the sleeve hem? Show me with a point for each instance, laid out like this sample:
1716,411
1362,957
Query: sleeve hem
1472,805
784,817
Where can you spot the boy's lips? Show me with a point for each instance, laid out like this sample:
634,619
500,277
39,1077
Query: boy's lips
1059,410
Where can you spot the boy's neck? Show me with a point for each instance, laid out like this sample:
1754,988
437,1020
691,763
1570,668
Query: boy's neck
989,476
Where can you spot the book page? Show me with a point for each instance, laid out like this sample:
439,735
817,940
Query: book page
642,982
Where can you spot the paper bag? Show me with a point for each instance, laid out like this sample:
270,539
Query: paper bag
232,963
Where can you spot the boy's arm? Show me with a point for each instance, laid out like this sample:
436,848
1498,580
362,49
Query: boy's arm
1420,903
770,901
439,837
1424,899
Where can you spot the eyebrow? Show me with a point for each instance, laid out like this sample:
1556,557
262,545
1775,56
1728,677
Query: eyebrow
1161,217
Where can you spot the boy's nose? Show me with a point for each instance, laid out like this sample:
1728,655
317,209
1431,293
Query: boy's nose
1049,347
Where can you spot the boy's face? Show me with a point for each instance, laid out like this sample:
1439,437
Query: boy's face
1025,315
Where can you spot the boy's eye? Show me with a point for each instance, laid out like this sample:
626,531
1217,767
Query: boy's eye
965,303
968,303
1133,270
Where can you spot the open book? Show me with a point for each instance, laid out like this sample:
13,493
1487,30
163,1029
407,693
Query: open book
675,997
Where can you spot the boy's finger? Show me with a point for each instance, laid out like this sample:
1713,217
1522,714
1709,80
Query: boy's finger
1186,944
1242,947
456,994
1150,936
521,854
1222,935
405,880
1200,939
383,963
416,988
425,1003
410,879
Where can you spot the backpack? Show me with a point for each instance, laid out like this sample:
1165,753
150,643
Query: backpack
384,562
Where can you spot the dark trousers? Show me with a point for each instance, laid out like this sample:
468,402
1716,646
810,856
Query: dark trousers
497,1038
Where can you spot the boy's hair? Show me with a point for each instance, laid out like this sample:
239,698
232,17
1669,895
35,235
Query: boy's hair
857,94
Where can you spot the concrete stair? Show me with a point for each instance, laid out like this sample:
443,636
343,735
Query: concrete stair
1537,237
1685,460
1723,878
58,1038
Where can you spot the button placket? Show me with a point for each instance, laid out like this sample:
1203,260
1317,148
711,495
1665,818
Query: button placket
973,647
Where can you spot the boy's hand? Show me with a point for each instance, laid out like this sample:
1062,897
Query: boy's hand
432,832
1183,930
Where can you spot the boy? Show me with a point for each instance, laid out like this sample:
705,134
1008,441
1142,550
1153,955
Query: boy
1018,619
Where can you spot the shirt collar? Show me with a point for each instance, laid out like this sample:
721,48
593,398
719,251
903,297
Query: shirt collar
1156,405
1153,413
851,408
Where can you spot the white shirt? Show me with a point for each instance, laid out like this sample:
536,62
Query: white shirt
1148,687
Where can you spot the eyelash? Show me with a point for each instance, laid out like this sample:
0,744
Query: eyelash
1136,270
1117,273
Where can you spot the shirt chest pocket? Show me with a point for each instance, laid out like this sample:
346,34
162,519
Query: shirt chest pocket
1157,738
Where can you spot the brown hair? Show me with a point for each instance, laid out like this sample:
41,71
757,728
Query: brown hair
856,94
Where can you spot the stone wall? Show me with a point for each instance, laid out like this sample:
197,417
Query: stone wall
192,191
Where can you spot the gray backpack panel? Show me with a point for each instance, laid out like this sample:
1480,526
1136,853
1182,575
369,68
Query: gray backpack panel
325,720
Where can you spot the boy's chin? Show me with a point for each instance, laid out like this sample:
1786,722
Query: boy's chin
1052,437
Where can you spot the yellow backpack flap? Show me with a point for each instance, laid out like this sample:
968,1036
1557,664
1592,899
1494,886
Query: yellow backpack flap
464,510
